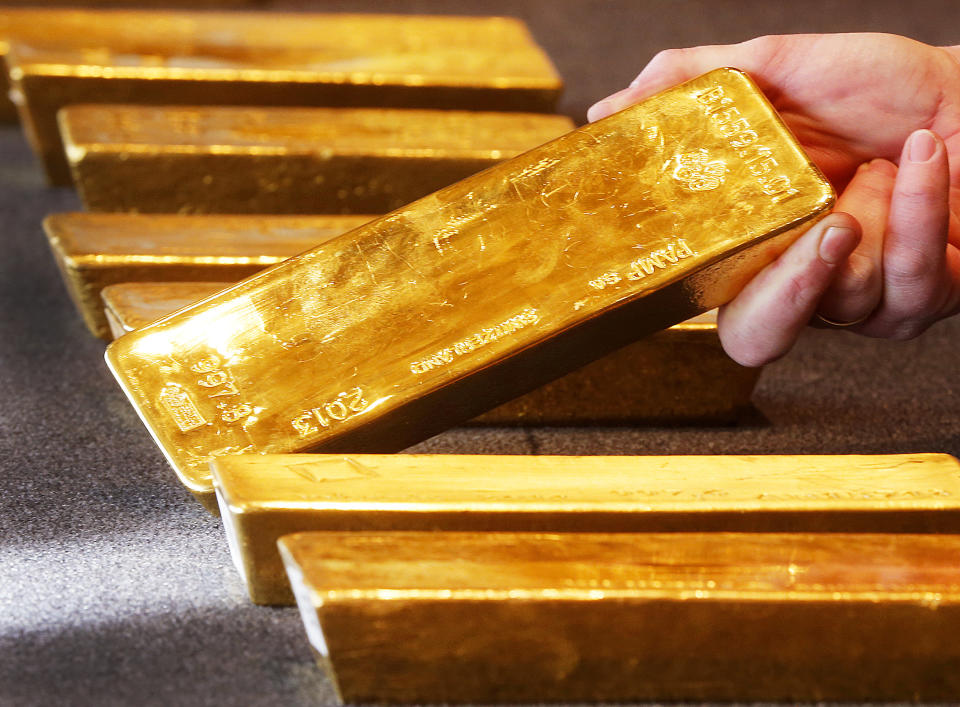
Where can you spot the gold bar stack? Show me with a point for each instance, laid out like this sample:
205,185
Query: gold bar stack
96,250
525,617
284,160
270,59
484,290
264,497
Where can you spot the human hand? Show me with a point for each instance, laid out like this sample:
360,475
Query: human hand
860,104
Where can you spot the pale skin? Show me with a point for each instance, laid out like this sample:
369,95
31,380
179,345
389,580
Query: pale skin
880,115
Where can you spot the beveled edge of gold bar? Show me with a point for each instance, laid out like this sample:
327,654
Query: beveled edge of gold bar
109,128
38,56
698,484
454,547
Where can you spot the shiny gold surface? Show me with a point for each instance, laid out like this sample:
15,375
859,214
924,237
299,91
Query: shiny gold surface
680,374
262,498
483,291
269,59
133,305
502,617
96,250
284,160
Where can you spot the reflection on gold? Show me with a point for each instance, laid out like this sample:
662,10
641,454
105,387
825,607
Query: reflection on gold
284,160
436,617
68,57
268,496
97,250
677,375
484,290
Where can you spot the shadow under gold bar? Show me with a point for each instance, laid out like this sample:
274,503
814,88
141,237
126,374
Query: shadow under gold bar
263,497
284,160
272,59
523,617
97,250
680,374
484,290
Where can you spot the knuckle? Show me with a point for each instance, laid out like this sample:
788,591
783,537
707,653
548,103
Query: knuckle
908,265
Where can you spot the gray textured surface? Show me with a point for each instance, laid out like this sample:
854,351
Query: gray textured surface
116,588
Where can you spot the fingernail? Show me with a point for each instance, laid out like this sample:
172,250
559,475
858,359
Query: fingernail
837,243
923,146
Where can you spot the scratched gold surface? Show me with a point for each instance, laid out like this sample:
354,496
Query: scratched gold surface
284,160
526,617
94,251
484,290
678,375
264,497
267,59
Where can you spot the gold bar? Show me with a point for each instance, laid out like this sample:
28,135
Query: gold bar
680,374
263,497
96,250
525,617
284,160
483,291
133,305
271,59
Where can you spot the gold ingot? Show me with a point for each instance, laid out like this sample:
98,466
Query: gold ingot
484,290
680,374
264,497
133,305
271,59
96,250
284,160
701,617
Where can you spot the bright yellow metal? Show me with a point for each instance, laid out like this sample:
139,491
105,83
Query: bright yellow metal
263,497
677,375
484,290
284,160
429,618
97,250
266,59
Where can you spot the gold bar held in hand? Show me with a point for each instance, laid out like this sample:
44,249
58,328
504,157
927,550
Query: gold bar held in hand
428,618
284,160
263,497
266,59
677,375
96,250
484,290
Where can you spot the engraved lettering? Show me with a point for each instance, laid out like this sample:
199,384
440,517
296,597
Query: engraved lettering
182,409
484,337
206,364
213,379
343,406
740,135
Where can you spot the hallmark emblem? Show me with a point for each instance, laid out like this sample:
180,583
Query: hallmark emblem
697,172
181,408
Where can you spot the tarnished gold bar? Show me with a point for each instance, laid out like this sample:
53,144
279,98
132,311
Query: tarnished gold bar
680,374
263,497
284,160
96,250
272,59
705,617
484,290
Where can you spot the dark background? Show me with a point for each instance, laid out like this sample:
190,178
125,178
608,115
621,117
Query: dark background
117,588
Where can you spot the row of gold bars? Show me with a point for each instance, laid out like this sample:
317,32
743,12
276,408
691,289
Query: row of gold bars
440,249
